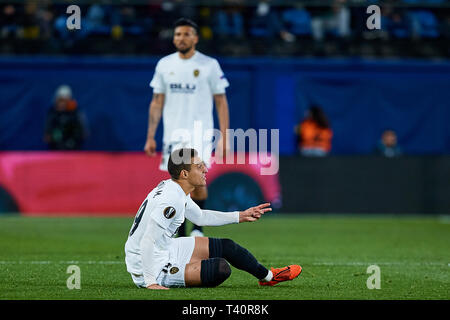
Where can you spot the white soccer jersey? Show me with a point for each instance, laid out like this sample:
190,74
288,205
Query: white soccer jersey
157,222
188,86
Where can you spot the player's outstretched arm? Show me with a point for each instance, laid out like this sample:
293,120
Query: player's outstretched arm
254,213
217,218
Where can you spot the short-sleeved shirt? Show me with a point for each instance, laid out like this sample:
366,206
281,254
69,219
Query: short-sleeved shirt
189,86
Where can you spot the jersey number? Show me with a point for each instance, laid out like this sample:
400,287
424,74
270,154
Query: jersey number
139,217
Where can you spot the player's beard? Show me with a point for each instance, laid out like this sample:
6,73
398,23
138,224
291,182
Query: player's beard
184,51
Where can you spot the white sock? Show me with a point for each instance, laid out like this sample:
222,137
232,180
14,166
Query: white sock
269,276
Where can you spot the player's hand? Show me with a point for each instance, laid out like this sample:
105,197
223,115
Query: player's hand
254,213
156,287
150,147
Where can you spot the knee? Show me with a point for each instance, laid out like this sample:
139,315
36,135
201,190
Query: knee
224,270
214,271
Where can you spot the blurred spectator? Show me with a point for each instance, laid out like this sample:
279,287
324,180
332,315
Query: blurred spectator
445,27
128,21
65,127
296,21
395,22
97,21
424,24
205,23
387,146
9,21
30,25
44,17
171,10
265,23
335,21
314,133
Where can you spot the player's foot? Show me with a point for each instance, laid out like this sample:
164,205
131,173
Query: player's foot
282,274
196,233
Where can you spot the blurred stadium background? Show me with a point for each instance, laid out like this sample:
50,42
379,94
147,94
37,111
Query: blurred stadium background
281,57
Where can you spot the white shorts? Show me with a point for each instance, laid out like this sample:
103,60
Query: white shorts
168,148
172,275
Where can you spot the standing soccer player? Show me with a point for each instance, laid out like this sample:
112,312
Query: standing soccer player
184,85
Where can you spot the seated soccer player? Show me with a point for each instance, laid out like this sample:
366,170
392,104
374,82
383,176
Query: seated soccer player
157,260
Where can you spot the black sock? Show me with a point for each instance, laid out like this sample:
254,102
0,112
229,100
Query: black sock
237,256
201,204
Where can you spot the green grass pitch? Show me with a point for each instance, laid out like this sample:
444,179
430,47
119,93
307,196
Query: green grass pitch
335,251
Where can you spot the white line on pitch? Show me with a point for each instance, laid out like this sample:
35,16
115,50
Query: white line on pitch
379,263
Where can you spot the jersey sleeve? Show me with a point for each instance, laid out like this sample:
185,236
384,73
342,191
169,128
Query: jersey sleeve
157,82
217,79
209,217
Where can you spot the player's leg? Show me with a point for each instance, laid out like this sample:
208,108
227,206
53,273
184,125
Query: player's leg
242,259
207,265
199,195
238,257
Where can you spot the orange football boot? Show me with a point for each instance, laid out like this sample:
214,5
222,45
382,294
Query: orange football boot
282,274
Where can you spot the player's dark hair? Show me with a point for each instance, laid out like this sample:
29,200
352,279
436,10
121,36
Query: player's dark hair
180,159
186,22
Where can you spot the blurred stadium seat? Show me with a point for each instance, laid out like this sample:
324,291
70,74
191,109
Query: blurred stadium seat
425,23
298,21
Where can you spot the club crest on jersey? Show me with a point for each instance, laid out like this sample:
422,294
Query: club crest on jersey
169,212
196,73
174,270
